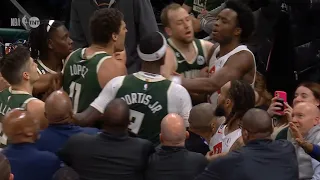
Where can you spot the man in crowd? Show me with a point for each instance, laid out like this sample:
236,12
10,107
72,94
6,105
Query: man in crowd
230,60
19,69
27,162
202,125
88,70
172,160
306,117
5,169
58,111
111,154
249,162
138,16
235,99
149,95
191,54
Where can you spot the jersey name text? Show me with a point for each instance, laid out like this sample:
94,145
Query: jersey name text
142,98
76,70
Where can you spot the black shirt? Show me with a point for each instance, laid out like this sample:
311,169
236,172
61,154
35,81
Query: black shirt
196,143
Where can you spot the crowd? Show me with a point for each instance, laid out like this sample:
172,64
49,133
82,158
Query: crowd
118,99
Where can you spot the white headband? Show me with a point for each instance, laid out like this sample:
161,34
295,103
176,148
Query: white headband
156,55
49,25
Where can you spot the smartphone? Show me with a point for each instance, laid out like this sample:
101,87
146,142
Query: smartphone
282,98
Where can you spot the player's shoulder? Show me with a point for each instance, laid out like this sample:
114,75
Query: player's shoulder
177,89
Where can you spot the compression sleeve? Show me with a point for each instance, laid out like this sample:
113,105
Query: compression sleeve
107,94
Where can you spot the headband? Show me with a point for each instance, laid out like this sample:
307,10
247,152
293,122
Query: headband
156,55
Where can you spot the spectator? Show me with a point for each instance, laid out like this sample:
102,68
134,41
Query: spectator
263,97
5,169
138,15
27,162
312,149
172,160
249,162
58,111
202,124
111,154
306,116
50,45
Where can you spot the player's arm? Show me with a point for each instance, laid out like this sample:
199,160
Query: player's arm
170,64
109,69
237,144
208,46
36,108
180,98
235,68
97,107
45,82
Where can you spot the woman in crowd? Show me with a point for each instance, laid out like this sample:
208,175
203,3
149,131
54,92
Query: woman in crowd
50,44
263,97
306,92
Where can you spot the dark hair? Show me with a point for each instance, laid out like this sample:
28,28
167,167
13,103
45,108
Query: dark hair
242,95
151,43
13,64
103,23
314,88
245,18
164,13
38,38
5,168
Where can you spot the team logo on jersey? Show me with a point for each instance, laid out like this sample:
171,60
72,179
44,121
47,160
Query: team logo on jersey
145,87
200,60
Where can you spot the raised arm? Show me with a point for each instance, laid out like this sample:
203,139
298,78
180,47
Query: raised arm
236,67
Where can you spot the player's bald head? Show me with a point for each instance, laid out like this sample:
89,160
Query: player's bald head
117,115
5,169
173,130
257,121
58,107
19,123
201,116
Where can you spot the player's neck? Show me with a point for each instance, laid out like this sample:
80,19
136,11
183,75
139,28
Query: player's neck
232,125
153,69
24,86
226,48
109,48
53,62
182,45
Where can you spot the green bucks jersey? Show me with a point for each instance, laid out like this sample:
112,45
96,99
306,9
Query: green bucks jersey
80,78
10,99
148,102
190,70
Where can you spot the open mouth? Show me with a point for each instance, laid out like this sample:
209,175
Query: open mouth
188,33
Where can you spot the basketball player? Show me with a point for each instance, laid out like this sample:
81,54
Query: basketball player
19,69
230,60
235,99
50,44
88,70
191,54
149,95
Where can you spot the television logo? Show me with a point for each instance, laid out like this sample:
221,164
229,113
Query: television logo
32,22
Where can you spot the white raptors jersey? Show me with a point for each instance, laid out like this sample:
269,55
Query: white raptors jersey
220,143
215,64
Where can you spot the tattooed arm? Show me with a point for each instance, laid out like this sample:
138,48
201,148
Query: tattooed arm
237,144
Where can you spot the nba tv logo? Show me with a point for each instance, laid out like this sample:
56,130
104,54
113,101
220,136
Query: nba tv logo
32,22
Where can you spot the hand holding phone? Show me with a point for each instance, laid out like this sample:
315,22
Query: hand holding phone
281,98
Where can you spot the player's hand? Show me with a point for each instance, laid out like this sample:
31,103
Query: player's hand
272,110
204,72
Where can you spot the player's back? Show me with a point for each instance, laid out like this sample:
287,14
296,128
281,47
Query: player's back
10,99
147,96
80,78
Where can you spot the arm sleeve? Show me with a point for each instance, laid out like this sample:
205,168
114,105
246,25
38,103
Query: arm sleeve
107,94
315,152
207,21
144,17
179,101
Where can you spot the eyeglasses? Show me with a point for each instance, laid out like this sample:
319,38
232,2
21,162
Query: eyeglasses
49,25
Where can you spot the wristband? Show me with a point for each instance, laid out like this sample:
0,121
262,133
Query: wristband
176,79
